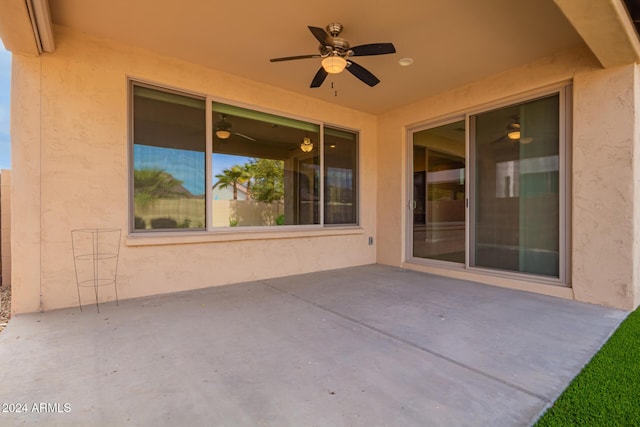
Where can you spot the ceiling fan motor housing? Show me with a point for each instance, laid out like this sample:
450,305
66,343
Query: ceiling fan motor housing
335,28
339,46
223,125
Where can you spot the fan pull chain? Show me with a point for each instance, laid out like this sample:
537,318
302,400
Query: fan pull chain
335,92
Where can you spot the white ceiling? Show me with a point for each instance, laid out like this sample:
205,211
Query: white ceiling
452,42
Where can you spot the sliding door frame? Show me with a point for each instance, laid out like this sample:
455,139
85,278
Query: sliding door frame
564,92
411,202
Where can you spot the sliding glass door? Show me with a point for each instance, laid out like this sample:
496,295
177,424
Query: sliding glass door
510,215
439,193
516,203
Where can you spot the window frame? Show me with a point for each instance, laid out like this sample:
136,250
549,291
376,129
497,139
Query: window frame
131,83
357,186
209,229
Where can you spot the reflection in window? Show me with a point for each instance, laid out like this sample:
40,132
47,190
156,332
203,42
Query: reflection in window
340,159
439,193
266,169
543,171
517,209
168,160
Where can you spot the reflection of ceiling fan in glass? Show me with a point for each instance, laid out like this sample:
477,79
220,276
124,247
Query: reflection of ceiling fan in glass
223,129
513,132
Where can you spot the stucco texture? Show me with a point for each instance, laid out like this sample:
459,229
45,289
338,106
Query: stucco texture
71,171
604,148
70,157
603,192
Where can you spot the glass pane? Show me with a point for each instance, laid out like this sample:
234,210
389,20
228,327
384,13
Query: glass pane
340,174
439,193
517,188
168,160
266,169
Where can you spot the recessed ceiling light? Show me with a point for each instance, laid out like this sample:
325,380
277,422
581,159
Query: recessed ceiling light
405,62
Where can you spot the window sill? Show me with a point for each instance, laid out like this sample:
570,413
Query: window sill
183,238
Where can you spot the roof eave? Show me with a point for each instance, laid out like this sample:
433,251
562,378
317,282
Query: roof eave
26,27
606,28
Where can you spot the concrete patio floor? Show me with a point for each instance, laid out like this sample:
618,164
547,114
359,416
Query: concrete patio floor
364,346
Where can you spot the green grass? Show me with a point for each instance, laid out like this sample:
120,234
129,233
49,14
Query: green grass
607,391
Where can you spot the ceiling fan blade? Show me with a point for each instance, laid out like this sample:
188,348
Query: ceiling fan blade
244,136
321,35
318,79
291,58
362,73
373,49
500,139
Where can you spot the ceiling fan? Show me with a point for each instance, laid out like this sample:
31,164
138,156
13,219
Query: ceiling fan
336,53
223,129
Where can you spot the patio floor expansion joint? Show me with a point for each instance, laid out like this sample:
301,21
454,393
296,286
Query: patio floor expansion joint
409,343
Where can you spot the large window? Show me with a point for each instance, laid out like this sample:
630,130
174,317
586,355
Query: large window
261,169
168,160
266,169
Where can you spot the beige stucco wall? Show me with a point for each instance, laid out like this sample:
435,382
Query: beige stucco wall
69,133
604,269
26,183
605,183
5,225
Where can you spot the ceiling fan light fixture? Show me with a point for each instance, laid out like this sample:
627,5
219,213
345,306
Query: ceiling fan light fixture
223,128
334,64
223,134
306,145
513,131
